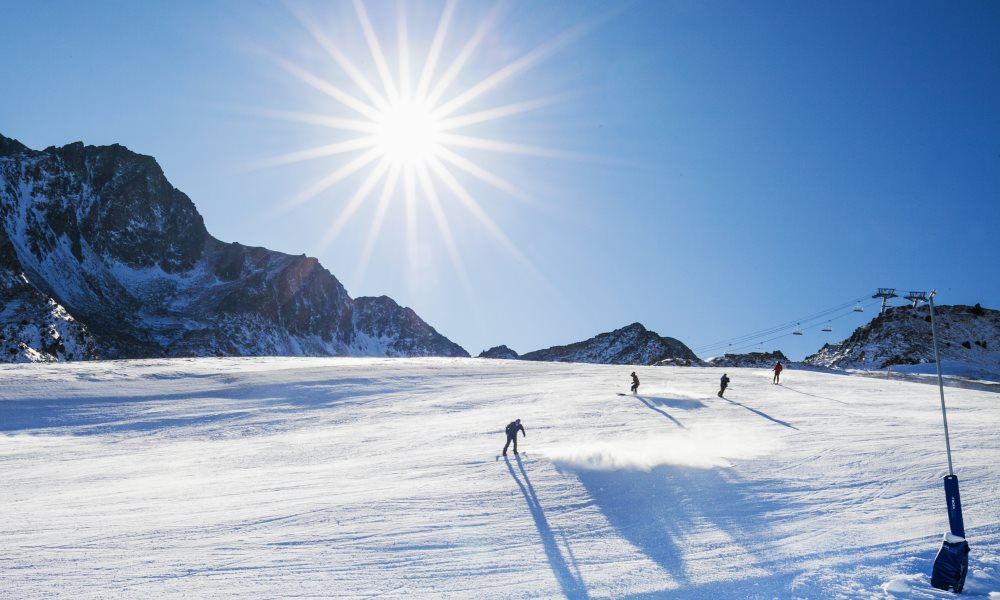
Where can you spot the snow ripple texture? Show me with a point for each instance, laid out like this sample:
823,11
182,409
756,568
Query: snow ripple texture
357,477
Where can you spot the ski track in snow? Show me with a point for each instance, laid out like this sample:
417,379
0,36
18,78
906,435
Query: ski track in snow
321,478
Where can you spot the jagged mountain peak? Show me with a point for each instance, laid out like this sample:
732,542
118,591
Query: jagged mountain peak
102,231
501,351
631,344
756,360
968,338
11,146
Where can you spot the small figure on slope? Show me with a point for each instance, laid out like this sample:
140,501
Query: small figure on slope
635,382
777,372
512,428
723,384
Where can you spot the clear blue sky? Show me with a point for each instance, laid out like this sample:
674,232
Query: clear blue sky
746,163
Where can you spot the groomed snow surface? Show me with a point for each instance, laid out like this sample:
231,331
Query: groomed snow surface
320,478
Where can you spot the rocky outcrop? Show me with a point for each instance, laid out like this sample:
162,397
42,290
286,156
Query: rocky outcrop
500,351
754,360
968,335
631,345
33,326
384,328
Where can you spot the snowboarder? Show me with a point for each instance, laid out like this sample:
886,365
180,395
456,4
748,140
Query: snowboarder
635,382
777,372
724,383
512,428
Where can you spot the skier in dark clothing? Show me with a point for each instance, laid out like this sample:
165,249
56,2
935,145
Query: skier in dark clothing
724,382
777,372
512,428
635,382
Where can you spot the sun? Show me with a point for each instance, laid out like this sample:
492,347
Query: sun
404,129
407,134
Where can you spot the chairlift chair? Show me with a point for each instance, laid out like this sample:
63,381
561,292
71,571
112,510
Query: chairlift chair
828,327
859,308
797,331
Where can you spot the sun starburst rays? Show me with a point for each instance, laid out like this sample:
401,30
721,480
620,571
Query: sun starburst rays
406,126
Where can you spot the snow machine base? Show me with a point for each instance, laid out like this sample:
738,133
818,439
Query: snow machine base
952,561
951,564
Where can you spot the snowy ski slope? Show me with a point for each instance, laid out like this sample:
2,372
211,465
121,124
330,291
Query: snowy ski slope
322,478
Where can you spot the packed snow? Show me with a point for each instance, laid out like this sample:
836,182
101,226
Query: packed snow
361,477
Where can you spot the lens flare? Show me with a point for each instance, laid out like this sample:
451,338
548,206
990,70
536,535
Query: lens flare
407,127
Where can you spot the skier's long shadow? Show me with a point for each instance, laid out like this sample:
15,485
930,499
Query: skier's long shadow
662,412
763,414
572,584
813,395
664,512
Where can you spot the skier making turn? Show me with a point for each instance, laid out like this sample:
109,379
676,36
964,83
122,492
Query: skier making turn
512,428
635,382
723,383
777,372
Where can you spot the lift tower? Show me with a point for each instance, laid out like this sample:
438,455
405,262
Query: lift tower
916,297
885,294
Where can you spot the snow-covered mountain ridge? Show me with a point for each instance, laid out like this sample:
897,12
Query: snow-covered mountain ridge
630,345
757,360
97,237
968,340
501,351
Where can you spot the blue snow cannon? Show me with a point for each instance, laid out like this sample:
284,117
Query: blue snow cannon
952,561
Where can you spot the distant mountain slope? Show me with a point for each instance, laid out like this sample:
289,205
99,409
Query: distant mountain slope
384,328
102,232
500,351
755,360
969,338
631,345
33,326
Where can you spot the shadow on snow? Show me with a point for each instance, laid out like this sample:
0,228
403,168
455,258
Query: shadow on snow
653,402
570,581
139,413
790,389
662,511
761,413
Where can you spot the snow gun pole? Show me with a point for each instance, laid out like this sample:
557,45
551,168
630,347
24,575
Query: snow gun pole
952,561
937,362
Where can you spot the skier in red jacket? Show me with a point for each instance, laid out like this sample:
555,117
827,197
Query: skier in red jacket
777,372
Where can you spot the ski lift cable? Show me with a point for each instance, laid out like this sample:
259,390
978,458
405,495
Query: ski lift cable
755,343
822,315
755,336
819,321
778,337
779,327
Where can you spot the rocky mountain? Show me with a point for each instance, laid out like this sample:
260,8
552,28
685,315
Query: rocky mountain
33,326
101,257
631,345
500,351
753,360
968,336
